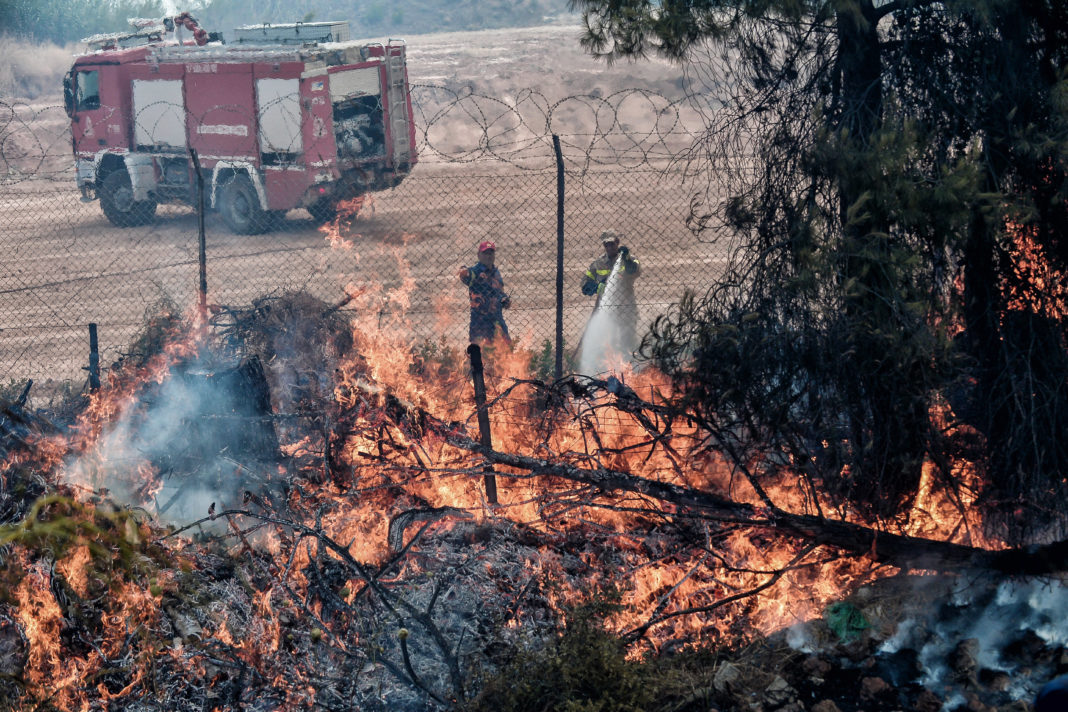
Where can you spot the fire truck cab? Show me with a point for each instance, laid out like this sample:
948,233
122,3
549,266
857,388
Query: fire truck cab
282,117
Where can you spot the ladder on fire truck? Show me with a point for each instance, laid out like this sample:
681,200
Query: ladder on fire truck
397,96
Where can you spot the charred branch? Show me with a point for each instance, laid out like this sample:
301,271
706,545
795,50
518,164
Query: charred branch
400,609
906,552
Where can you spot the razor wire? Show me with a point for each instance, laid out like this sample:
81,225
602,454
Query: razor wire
486,171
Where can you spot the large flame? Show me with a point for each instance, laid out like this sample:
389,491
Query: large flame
677,578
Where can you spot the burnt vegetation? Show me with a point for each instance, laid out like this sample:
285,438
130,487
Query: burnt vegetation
359,569
890,332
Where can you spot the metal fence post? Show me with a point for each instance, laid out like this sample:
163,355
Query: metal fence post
94,360
203,248
558,367
483,416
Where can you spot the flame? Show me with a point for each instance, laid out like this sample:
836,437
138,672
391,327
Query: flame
75,568
678,578
1044,289
348,211
49,666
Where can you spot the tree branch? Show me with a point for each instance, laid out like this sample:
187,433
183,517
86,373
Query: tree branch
900,550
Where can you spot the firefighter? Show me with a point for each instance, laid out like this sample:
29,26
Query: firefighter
488,299
621,305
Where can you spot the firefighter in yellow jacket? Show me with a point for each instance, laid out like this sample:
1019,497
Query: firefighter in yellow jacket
619,302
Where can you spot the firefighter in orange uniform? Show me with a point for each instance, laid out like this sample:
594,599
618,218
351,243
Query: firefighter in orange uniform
488,298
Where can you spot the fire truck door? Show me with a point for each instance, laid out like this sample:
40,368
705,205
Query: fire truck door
278,101
95,122
356,94
221,111
320,151
159,115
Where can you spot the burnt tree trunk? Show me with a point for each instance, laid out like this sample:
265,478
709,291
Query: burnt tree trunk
882,547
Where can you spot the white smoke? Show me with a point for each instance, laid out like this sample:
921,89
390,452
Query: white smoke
175,451
1001,626
994,622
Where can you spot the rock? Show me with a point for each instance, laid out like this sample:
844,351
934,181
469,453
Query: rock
1029,647
186,627
995,680
900,668
858,649
977,705
1016,706
825,706
816,666
872,687
964,660
726,678
928,701
778,693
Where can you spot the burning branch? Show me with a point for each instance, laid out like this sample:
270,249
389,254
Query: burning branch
884,547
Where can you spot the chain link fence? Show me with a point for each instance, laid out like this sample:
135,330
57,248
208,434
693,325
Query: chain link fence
487,170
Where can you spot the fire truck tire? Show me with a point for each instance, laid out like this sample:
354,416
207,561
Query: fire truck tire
240,207
323,211
118,204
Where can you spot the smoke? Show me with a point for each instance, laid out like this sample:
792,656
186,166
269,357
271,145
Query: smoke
996,624
199,437
948,635
31,71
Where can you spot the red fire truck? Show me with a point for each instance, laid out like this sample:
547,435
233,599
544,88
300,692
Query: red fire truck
278,117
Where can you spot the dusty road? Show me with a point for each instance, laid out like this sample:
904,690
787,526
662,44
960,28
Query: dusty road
65,266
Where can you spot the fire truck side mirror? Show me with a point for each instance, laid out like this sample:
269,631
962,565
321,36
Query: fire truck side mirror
68,93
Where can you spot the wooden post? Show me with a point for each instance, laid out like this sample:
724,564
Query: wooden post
478,376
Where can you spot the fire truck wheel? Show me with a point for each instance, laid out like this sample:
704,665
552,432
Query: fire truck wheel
240,207
323,211
118,204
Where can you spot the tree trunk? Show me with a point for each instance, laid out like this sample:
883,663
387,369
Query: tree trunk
898,550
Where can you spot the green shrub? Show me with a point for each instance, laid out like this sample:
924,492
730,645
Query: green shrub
586,669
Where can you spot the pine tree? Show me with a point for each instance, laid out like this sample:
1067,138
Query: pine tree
894,177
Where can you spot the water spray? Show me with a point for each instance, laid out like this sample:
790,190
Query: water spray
600,346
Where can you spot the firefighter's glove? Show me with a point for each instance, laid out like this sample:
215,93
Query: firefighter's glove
625,252
589,288
506,302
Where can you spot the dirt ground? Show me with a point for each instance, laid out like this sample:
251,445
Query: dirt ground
487,103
